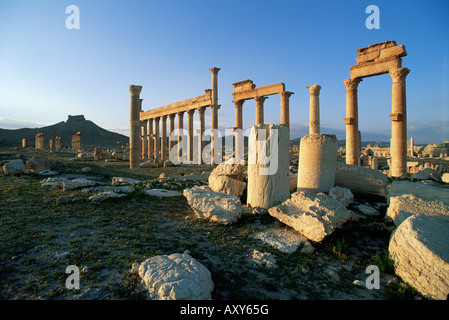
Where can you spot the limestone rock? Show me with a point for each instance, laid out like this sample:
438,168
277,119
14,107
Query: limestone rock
77,183
216,206
38,164
342,195
419,248
284,239
14,167
264,259
124,181
445,178
367,209
314,215
54,181
168,163
103,196
234,171
226,185
427,174
361,180
417,198
176,277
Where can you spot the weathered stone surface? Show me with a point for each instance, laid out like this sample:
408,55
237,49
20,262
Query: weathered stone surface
234,171
162,193
314,215
38,164
367,209
116,189
417,198
77,183
105,195
342,195
14,167
427,174
54,181
149,164
445,178
124,181
176,277
216,206
419,248
284,239
361,180
264,259
226,185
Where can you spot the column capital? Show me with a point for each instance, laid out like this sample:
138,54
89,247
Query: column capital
191,111
215,69
180,113
314,90
172,115
352,83
285,94
135,90
238,103
399,74
164,117
260,98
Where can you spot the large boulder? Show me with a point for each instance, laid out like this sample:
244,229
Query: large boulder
38,164
419,248
361,180
176,277
314,215
407,198
227,178
215,206
14,167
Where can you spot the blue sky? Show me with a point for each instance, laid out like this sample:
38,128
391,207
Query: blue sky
48,71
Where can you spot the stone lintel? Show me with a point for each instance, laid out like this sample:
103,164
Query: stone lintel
258,92
381,66
181,106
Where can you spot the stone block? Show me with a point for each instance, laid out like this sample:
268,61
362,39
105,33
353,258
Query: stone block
361,180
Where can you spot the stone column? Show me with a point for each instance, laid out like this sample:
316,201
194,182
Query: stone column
202,128
150,140
259,109
314,109
317,162
190,136
268,167
134,134
214,113
145,139
412,148
50,144
171,133
164,139
398,148
239,139
157,140
180,133
285,108
351,121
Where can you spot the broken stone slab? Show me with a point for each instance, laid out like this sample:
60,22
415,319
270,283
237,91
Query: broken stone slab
234,171
342,195
314,215
162,193
54,181
116,189
48,173
149,164
284,239
176,277
38,164
445,178
103,196
361,180
124,181
419,248
367,209
77,184
226,185
417,198
14,167
427,174
215,206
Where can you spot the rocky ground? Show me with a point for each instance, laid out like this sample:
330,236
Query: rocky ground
42,233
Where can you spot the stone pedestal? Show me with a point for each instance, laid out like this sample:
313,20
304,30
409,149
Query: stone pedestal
134,134
317,162
268,165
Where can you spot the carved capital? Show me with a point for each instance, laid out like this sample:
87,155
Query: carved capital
260,99
285,94
314,90
215,70
396,116
399,74
352,83
349,121
239,103
135,90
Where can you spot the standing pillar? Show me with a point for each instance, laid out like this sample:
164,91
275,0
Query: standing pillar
214,114
259,109
171,134
239,139
202,128
134,134
164,139
412,148
145,139
180,134
351,121
150,140
190,135
157,141
285,108
398,148
314,109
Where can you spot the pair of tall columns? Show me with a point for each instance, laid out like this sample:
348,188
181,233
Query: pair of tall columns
398,145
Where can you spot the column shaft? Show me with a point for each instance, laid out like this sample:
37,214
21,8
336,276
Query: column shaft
351,121
157,141
150,140
259,109
180,134
214,113
145,139
202,128
171,133
134,134
285,108
164,139
190,136
314,109
239,142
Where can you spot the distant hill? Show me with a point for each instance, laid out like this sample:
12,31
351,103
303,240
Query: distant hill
92,134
